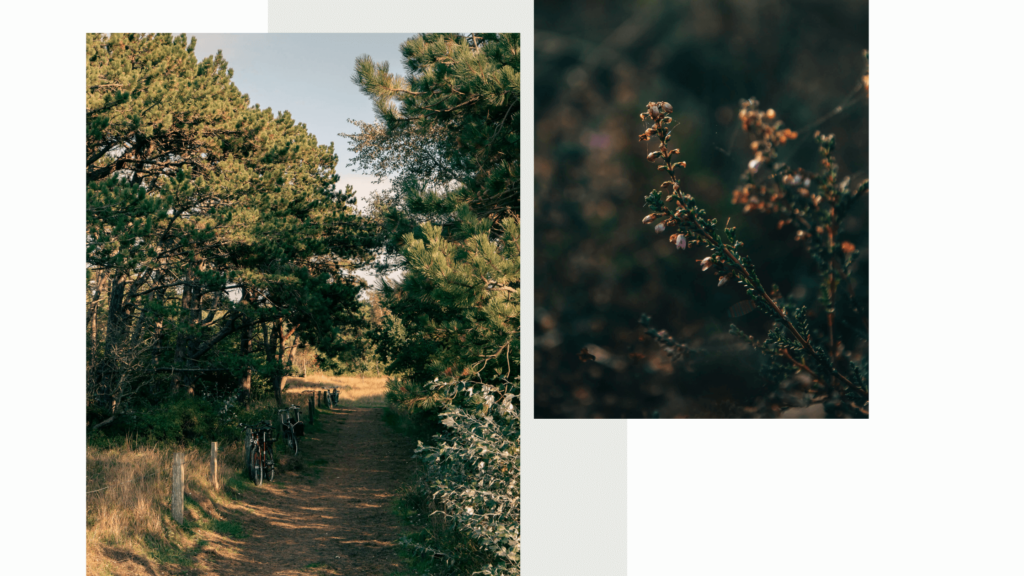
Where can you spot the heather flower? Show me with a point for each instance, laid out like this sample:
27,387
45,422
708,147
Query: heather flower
829,373
659,228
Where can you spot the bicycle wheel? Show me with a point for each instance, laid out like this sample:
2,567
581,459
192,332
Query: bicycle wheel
256,466
293,442
268,464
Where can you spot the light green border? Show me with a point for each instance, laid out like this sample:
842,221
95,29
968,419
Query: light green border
932,483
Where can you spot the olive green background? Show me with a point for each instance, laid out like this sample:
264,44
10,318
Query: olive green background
932,483
925,487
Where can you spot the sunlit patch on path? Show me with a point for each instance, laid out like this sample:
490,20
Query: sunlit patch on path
332,516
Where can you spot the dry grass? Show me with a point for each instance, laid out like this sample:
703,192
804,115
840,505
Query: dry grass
363,392
128,503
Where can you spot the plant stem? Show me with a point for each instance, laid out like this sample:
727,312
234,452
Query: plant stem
666,158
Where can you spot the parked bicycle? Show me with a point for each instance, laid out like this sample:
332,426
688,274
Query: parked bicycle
292,428
259,451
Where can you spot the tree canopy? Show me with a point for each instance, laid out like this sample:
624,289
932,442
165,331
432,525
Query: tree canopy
208,218
447,134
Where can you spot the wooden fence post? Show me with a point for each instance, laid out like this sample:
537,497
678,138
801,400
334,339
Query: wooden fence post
213,465
310,410
178,489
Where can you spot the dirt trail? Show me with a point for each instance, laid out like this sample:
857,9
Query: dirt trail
331,517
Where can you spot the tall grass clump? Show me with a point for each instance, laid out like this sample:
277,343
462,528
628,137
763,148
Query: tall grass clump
128,500
813,354
128,472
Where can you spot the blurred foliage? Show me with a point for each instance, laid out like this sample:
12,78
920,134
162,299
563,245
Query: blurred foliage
598,64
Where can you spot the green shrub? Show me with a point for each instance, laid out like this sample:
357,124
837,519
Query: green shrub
184,420
815,353
471,484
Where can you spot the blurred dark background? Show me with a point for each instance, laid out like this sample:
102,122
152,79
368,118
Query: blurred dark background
597,268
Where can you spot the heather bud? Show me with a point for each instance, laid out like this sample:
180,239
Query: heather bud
705,264
680,242
649,218
668,107
659,228
653,156
722,280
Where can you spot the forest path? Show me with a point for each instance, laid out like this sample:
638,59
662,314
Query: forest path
331,517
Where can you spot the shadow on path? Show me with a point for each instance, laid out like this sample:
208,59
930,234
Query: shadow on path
331,517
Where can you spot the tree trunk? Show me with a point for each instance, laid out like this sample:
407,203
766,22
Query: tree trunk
285,361
245,349
94,308
278,381
109,373
274,358
183,380
141,320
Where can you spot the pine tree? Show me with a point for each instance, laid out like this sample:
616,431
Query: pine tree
455,312
208,219
447,134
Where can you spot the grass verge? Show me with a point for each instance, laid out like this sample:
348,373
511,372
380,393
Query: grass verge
129,528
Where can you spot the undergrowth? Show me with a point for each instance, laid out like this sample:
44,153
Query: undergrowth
817,353
466,504
128,471
128,503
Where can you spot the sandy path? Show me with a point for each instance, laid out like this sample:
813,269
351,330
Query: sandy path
332,517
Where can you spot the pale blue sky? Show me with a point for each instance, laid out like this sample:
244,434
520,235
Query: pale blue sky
310,76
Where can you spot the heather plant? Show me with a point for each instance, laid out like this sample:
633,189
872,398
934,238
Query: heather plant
472,473
807,362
